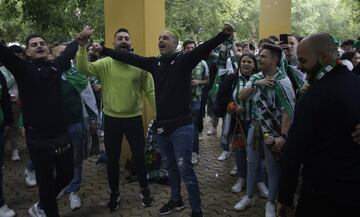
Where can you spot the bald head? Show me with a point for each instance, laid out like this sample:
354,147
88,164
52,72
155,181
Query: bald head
314,52
322,44
168,43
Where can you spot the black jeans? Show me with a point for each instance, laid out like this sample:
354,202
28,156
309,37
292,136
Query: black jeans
114,130
53,172
2,149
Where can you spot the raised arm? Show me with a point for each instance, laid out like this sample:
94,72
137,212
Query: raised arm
203,50
145,63
63,61
12,62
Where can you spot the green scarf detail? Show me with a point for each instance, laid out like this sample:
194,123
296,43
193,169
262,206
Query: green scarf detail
78,80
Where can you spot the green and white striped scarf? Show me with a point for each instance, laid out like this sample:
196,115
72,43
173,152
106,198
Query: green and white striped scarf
82,85
269,102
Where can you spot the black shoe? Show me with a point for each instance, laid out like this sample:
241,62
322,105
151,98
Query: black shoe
169,206
197,214
146,197
113,204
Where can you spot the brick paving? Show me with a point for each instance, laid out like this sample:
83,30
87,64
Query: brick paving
215,185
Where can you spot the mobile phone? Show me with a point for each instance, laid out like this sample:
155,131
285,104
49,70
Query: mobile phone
284,39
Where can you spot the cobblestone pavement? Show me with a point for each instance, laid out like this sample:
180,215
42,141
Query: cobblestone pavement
214,178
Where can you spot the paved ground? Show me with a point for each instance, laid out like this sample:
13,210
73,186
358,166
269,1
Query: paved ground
214,178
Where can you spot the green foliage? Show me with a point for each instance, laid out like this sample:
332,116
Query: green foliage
60,20
334,17
56,20
202,19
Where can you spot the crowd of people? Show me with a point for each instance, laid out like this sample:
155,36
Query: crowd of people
290,111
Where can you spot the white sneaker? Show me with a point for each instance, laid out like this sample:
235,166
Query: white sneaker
30,178
270,210
15,156
201,137
35,211
6,212
233,171
244,203
263,190
224,155
212,131
239,185
194,158
75,201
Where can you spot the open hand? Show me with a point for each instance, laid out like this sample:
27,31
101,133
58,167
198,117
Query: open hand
269,82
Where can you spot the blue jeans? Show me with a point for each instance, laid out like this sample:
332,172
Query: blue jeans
76,133
195,110
30,166
255,172
176,150
240,154
2,149
273,170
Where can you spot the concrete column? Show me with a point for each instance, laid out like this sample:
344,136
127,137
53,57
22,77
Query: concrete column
275,17
145,20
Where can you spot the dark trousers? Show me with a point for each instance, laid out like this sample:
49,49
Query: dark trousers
53,172
114,130
339,201
2,150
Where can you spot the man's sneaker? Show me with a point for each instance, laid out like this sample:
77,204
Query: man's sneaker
233,171
270,210
146,197
201,137
35,211
30,178
113,204
171,205
75,201
212,131
197,214
244,203
6,212
224,155
239,185
263,190
194,158
15,156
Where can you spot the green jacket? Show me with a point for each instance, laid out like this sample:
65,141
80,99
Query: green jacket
123,85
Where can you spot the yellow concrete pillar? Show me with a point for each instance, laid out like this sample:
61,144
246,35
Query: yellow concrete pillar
145,20
275,17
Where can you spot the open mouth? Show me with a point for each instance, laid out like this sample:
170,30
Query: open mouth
161,46
40,51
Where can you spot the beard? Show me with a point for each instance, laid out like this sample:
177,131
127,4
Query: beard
311,75
123,47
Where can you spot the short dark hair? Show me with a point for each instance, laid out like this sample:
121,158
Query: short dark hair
348,55
31,36
295,36
348,42
253,57
121,30
187,42
274,50
266,41
16,49
274,38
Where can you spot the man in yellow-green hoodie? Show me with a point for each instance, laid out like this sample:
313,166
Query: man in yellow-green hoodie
123,88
